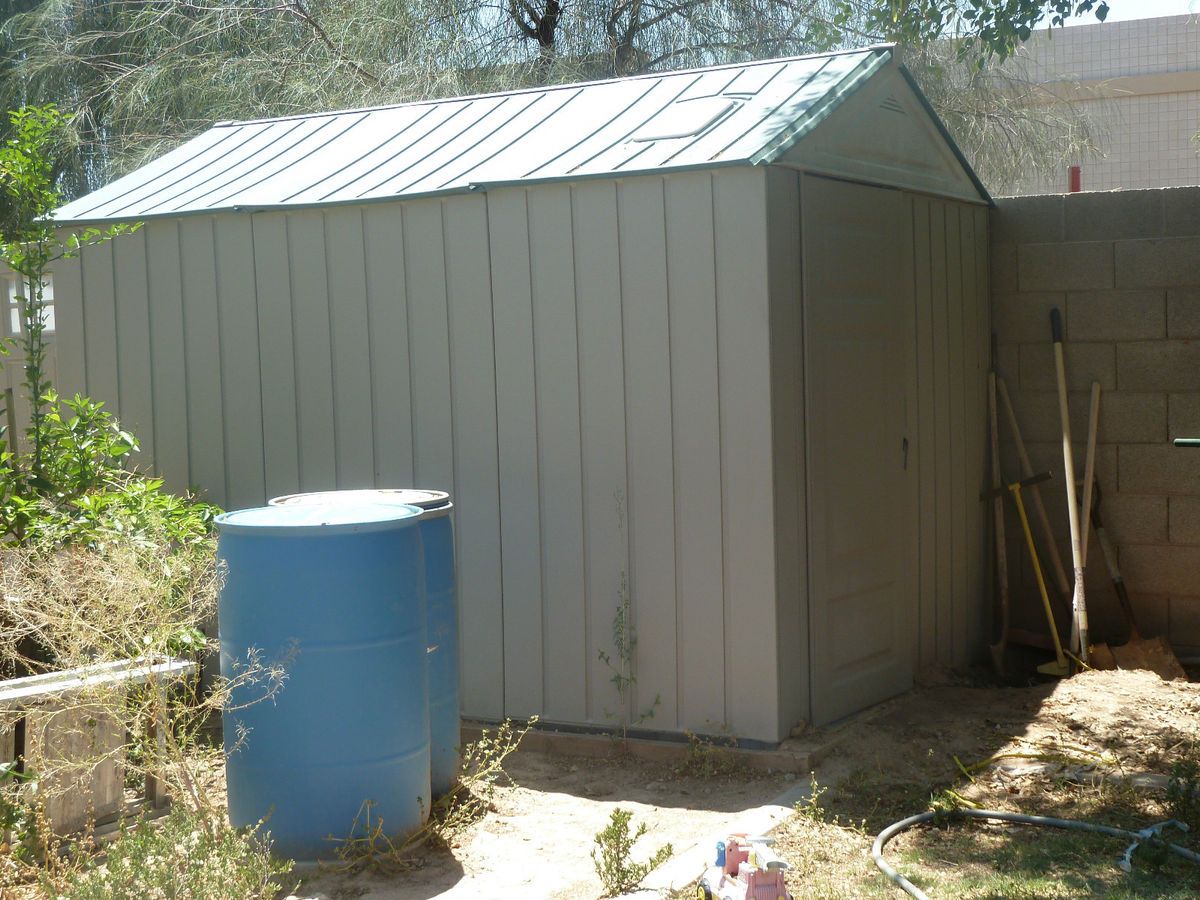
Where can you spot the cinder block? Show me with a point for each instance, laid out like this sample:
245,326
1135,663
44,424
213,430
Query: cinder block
1165,262
1132,418
1020,318
1184,418
1085,363
1109,215
1157,469
1181,210
1132,519
1158,366
1116,315
1046,456
1124,418
1002,262
1033,219
1183,629
1161,569
1184,513
1183,313
1065,267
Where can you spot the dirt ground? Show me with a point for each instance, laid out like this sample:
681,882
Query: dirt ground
1099,746
1058,749
538,841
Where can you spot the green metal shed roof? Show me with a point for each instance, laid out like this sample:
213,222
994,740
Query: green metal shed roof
736,114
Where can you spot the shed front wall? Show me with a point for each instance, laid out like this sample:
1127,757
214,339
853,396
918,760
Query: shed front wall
586,367
948,244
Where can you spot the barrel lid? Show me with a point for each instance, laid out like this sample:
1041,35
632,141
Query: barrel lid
350,516
409,496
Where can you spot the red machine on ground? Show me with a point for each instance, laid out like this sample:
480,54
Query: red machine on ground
746,869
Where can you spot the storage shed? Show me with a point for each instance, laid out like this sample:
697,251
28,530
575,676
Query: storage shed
709,344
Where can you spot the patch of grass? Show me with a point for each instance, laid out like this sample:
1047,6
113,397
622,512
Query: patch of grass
827,842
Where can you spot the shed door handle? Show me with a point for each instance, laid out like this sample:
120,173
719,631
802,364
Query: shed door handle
904,450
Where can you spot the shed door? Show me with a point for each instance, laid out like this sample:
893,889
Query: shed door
860,378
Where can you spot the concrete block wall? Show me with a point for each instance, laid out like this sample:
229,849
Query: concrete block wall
1124,269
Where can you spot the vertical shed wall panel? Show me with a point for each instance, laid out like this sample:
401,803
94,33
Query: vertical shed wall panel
650,506
277,355
926,456
602,430
959,439
169,356
748,523
981,630
133,327
697,439
100,324
517,446
429,346
202,353
314,362
69,339
942,488
352,403
242,398
560,453
476,479
788,447
391,389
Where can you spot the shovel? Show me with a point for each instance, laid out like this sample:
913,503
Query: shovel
1152,654
1058,666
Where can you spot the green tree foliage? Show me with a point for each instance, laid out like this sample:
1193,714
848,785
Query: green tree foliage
70,484
138,76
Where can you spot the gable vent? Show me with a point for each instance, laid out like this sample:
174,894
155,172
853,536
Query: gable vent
891,104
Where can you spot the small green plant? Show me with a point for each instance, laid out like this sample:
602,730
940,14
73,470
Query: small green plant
710,756
613,855
622,661
29,244
810,807
187,854
1183,791
18,819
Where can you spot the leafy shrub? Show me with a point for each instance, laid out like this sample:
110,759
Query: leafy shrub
613,855
184,856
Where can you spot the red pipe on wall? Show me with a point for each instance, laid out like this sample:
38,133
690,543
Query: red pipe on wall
1076,179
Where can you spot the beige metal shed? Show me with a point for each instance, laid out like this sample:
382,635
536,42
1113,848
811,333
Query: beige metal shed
714,341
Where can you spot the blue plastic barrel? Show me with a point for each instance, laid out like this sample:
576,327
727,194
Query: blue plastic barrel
441,612
336,595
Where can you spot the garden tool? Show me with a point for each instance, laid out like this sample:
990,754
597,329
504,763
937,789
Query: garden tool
1059,666
1152,654
1062,585
1079,622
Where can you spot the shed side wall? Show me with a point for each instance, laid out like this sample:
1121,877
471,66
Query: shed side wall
952,320
585,366
953,356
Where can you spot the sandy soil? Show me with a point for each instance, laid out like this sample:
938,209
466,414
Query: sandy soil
1097,746
885,764
537,842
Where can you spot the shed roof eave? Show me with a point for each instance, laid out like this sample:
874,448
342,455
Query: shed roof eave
477,188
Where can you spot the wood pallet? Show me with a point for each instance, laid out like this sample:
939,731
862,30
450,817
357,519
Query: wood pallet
80,746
